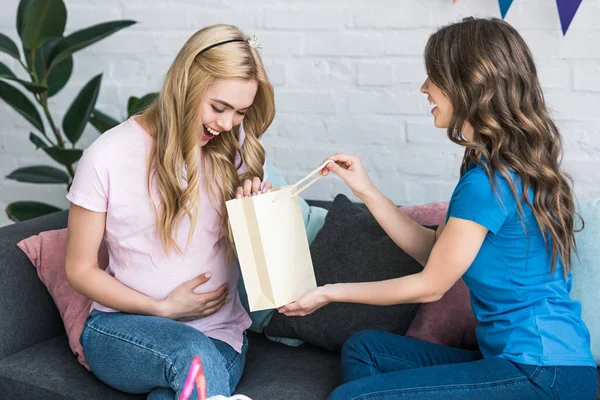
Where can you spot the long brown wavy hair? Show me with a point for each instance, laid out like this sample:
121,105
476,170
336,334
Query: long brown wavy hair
176,156
487,71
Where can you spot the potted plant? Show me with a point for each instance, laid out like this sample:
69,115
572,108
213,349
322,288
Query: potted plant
47,57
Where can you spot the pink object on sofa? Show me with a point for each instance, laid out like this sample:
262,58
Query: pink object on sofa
427,214
47,253
450,320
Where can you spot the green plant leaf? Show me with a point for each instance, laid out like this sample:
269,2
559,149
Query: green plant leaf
27,53
60,74
32,87
65,157
78,114
24,210
134,107
39,174
21,104
8,46
23,4
42,20
101,121
6,73
85,37
37,141
131,102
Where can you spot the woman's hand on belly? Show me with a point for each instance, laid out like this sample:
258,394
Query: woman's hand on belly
182,304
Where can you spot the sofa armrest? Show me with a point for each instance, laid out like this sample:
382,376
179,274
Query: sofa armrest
27,312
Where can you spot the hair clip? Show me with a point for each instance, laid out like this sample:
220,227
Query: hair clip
254,42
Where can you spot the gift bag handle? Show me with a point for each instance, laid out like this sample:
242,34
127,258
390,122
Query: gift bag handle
301,181
296,191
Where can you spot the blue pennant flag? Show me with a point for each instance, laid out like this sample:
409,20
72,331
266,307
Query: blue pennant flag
566,11
504,6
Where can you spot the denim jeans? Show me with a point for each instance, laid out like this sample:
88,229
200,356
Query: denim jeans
141,354
383,366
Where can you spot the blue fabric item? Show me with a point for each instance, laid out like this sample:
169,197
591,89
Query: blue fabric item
141,354
586,274
314,218
379,365
525,313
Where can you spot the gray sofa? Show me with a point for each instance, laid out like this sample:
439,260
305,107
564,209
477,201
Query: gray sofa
36,362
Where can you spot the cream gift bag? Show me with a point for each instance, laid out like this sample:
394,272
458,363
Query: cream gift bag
271,244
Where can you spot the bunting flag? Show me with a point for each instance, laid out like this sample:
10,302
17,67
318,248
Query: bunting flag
566,11
505,5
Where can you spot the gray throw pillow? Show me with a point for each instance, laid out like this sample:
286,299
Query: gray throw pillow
351,247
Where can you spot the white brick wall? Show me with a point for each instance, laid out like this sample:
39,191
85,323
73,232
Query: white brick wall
346,74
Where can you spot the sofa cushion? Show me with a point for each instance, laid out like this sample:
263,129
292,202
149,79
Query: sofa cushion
19,231
427,214
28,314
49,370
273,371
351,247
450,320
586,274
46,251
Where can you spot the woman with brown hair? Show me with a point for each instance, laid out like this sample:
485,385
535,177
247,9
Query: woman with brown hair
508,233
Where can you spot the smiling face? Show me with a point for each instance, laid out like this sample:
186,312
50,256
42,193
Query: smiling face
224,105
441,107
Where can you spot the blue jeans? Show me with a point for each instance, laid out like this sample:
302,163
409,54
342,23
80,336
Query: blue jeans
383,366
141,354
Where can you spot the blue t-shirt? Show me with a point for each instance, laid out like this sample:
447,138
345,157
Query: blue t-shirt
525,313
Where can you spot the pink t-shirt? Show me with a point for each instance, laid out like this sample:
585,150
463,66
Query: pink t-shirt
111,178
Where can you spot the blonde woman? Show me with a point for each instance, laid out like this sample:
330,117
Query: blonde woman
155,188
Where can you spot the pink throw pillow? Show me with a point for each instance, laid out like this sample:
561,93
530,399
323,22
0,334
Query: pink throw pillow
450,320
47,253
427,214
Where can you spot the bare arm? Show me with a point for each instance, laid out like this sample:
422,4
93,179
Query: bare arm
451,256
85,233
416,240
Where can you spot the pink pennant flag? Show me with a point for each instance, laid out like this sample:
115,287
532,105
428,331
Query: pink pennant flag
566,11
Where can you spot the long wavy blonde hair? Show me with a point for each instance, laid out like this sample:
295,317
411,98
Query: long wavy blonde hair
487,71
173,119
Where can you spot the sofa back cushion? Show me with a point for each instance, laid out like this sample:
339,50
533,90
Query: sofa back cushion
27,313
